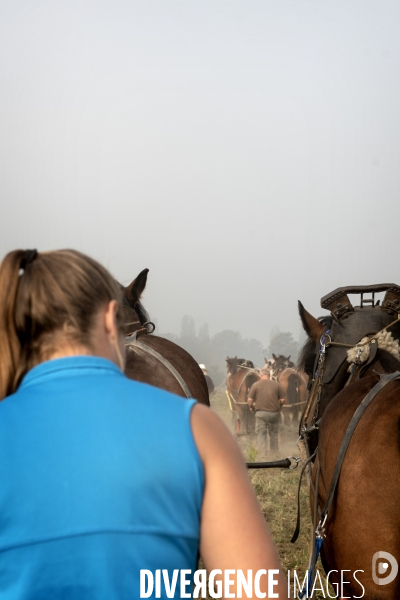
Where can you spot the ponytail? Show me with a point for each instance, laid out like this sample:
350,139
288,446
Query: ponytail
10,348
41,296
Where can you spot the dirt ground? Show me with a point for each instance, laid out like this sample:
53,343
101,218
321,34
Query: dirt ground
276,490
287,439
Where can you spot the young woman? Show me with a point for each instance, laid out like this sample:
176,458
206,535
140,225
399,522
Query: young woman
102,477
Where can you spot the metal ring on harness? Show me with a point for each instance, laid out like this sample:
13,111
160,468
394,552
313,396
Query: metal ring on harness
151,324
295,463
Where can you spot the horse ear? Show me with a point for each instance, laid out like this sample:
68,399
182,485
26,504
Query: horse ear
313,328
135,289
266,360
289,356
274,357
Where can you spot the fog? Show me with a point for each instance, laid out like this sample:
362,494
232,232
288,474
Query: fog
247,153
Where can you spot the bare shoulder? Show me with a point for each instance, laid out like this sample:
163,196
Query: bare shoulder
212,437
233,532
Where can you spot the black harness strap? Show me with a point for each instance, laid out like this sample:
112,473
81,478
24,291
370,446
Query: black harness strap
384,380
372,355
297,530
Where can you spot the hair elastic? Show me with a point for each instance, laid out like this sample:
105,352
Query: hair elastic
29,257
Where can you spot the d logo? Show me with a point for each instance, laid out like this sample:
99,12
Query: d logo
383,568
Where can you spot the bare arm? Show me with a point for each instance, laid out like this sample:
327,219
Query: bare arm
233,533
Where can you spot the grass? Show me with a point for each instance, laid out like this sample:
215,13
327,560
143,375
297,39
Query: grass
276,490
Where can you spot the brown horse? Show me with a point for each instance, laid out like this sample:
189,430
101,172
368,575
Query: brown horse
155,360
364,517
294,385
279,364
241,376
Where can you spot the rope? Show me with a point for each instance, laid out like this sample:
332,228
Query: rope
249,368
222,383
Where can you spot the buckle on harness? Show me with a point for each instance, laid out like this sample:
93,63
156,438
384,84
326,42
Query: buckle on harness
320,531
308,429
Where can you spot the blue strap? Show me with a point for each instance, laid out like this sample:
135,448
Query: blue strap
318,544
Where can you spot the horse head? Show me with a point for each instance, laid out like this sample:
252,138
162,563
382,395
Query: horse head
234,364
352,346
336,336
133,312
269,364
280,364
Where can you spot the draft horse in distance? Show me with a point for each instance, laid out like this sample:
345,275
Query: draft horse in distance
293,382
350,428
241,375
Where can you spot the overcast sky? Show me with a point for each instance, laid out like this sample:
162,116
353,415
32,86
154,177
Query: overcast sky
246,152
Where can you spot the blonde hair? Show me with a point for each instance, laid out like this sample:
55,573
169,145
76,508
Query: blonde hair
41,296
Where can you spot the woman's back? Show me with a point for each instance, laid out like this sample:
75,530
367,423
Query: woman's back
101,476
109,481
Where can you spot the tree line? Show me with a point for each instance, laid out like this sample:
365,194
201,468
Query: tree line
213,350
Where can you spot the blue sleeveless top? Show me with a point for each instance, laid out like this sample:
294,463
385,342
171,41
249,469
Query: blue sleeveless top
99,478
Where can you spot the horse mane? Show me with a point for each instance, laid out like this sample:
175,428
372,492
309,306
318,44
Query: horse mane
142,313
